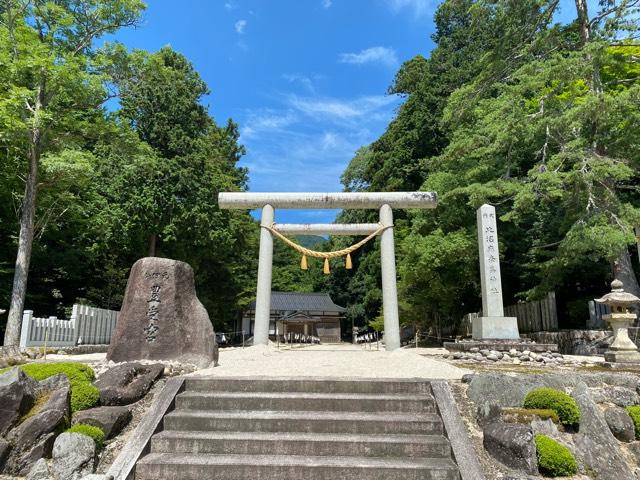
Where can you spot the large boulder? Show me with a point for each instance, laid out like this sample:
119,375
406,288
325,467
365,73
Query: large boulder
18,393
596,446
512,444
509,391
621,396
4,452
111,420
39,471
73,456
127,383
620,424
33,439
161,317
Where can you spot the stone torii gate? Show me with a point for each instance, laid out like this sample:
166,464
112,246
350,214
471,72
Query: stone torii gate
384,201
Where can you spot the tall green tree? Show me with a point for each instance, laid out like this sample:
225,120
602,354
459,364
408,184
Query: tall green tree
162,199
50,92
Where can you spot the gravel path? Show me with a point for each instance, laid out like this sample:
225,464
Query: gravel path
341,360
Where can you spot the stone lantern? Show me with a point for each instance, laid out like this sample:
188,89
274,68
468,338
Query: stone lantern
622,349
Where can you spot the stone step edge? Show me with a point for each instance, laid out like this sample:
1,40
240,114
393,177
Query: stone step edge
419,463
381,416
345,380
303,395
304,436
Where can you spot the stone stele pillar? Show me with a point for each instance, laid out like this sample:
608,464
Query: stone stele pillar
493,324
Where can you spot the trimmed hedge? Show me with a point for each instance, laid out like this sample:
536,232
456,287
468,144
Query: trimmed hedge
634,413
83,393
90,431
554,459
552,399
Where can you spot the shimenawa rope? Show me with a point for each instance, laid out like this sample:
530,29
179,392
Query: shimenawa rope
307,252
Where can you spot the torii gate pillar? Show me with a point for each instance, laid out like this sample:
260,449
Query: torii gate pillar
389,288
263,291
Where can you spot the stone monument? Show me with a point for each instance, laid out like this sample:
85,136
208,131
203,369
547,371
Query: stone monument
161,317
493,324
622,349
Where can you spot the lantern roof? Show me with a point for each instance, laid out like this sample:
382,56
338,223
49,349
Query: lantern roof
618,296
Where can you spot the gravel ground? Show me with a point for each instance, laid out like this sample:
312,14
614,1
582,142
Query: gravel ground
340,360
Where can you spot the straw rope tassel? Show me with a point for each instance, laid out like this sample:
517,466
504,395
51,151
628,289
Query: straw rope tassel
306,252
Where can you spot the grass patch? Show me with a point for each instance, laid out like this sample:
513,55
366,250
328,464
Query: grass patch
526,415
554,459
83,393
552,399
634,413
90,431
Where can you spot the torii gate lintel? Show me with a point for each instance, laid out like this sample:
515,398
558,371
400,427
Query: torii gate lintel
384,201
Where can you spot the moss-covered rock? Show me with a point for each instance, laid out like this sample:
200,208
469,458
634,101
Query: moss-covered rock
526,415
554,459
83,393
90,431
552,399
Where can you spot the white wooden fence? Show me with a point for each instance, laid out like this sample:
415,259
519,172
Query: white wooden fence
87,326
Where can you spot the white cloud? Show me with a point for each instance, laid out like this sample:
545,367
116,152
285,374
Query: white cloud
326,3
228,6
266,121
240,25
383,55
305,81
304,142
338,110
419,8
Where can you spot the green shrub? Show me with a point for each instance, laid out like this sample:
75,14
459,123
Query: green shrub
549,398
554,459
634,413
90,431
83,393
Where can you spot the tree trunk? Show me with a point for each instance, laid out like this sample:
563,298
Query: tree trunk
583,21
27,223
153,240
624,272
584,25
25,244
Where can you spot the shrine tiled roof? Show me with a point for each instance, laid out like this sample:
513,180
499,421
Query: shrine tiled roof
295,301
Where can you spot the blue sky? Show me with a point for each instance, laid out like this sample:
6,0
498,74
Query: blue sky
306,80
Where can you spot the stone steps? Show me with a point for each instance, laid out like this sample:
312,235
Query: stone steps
308,385
238,428
312,422
331,444
337,402
283,467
